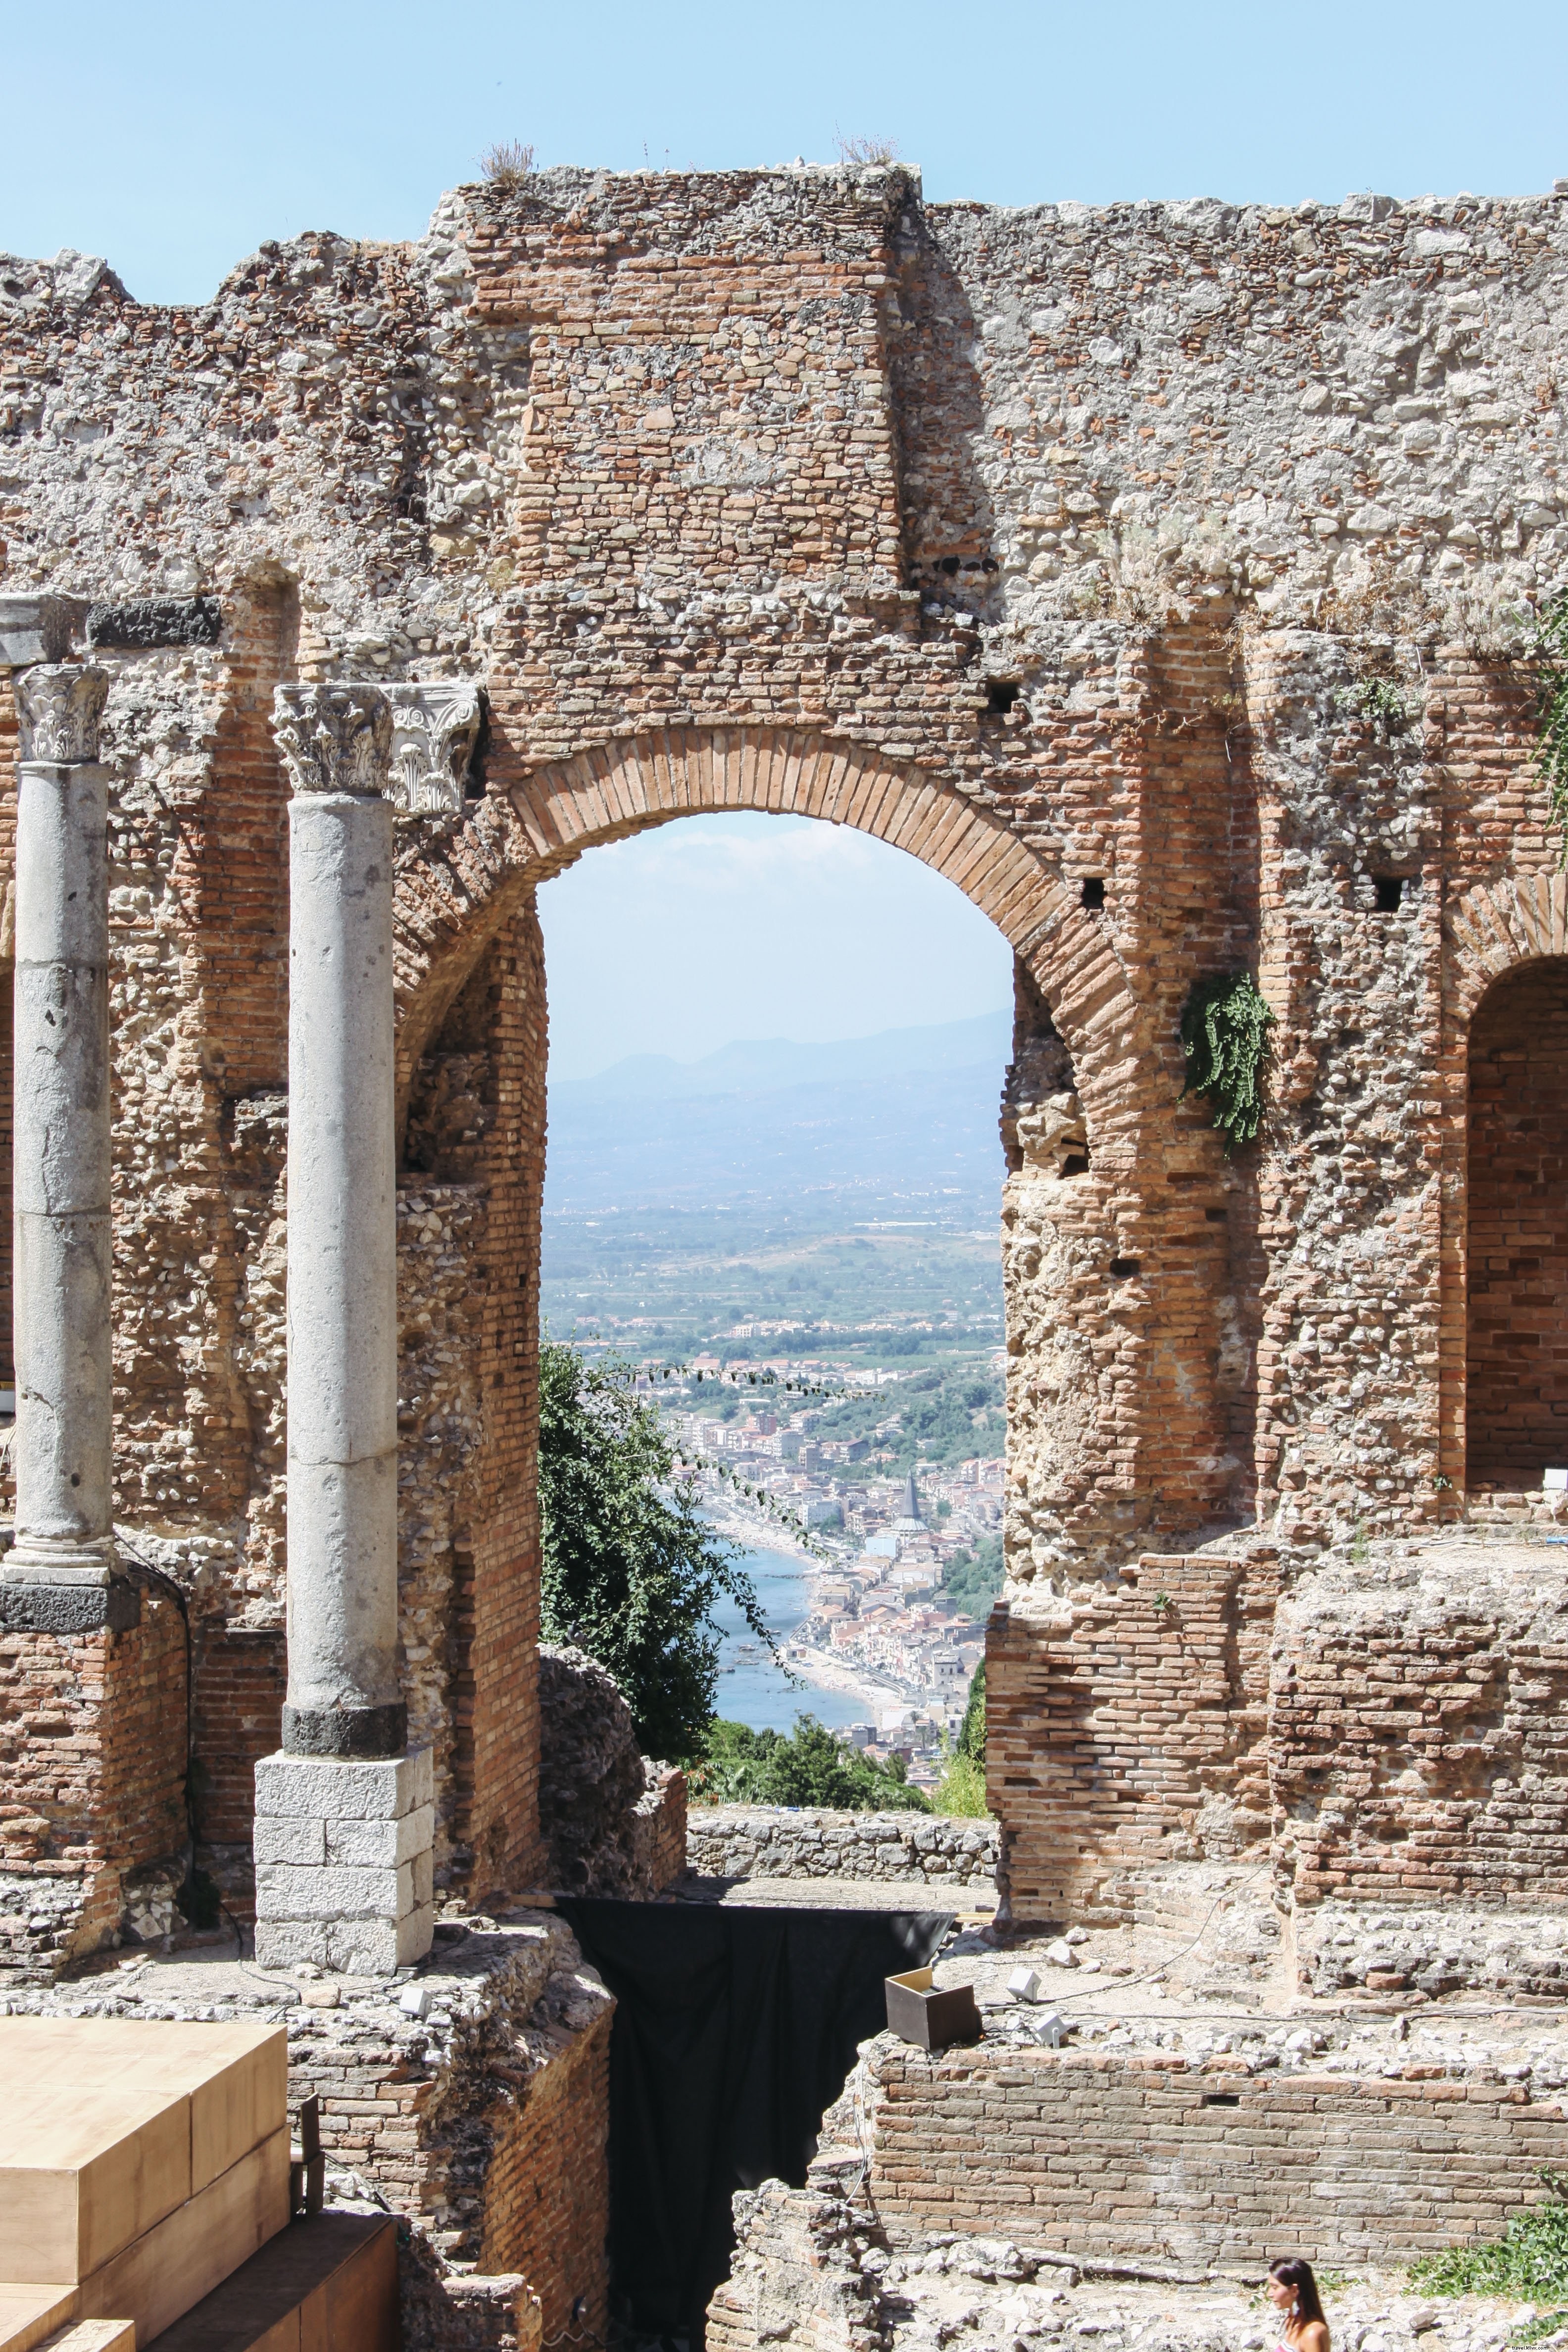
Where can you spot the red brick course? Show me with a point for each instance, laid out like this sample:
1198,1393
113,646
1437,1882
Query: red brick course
1141,2157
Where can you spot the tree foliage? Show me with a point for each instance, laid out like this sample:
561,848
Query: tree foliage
1224,1037
632,1572
972,1578
1552,707
805,1767
972,1730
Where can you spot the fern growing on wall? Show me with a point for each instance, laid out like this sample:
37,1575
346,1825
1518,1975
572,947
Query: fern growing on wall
1552,707
1224,1037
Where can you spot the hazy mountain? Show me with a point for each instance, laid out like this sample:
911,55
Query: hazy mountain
912,1109
770,1063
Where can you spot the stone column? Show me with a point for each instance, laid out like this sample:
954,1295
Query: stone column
345,1815
61,1158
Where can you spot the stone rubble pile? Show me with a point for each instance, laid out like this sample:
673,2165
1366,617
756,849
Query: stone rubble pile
608,1814
1433,1951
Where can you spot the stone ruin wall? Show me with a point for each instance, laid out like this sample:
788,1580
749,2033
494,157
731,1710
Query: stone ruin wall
1157,2167
1055,546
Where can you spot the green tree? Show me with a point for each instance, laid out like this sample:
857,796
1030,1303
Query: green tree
805,1767
972,1730
632,1572
972,1580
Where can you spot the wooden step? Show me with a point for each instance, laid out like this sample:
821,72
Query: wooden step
116,2122
30,2313
328,2285
94,2336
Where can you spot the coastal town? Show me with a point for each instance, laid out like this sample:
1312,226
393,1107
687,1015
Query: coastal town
898,1569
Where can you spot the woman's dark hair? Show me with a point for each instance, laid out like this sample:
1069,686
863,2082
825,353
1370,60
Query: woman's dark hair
1297,2274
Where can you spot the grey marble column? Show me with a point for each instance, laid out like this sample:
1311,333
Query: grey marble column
61,1158
344,1697
344,1817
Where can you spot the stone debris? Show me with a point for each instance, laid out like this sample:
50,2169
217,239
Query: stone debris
610,1817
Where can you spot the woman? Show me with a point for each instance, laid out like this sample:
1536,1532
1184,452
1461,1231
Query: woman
1293,2291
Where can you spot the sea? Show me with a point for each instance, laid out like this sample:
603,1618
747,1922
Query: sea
755,1691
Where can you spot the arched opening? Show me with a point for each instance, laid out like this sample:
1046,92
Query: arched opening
774,1181
1108,1435
1517,1331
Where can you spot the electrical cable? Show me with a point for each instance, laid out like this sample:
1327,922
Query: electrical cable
1126,1983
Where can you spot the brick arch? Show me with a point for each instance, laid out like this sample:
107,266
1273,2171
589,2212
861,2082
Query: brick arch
454,893
1490,929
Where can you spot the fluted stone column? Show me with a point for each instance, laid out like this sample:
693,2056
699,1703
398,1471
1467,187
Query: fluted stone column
345,1815
64,1542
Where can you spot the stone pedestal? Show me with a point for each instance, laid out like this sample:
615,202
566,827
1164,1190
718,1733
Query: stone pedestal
343,1861
344,1826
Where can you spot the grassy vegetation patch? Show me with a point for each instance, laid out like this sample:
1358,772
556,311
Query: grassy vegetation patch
1529,2259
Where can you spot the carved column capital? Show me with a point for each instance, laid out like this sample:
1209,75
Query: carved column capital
334,738
58,707
434,728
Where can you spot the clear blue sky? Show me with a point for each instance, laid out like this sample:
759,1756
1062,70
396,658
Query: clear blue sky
715,928
175,139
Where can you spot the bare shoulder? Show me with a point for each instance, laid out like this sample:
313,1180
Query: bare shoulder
1313,2338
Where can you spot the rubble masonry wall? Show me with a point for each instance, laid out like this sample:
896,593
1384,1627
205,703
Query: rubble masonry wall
1169,546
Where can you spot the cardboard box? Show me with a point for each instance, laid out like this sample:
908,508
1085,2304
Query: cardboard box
917,2013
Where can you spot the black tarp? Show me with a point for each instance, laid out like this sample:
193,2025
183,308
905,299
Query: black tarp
735,2030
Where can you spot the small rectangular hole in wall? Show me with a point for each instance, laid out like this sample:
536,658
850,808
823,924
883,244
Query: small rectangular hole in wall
1222,2098
1388,889
1216,1216
1000,697
1075,1164
1093,895
1123,1268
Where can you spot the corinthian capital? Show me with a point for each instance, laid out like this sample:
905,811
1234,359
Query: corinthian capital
58,707
334,738
433,730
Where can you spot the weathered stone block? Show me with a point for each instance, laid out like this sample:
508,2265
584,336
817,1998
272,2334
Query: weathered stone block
378,1844
332,1890
291,1838
38,629
379,1789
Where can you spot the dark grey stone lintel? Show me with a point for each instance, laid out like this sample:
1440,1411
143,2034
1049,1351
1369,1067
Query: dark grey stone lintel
70,1608
151,621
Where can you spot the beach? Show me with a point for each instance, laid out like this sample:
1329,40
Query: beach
752,1689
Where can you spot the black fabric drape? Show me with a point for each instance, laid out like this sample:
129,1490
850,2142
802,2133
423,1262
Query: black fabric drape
735,2030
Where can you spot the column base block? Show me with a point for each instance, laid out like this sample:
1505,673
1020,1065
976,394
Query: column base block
343,1861
59,1559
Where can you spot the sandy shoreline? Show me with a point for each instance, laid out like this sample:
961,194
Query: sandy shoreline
818,1669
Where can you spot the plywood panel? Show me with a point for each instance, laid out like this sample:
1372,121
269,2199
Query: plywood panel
325,2285
29,2313
188,2253
85,2172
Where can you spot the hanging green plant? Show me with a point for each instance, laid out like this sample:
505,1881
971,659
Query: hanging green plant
1552,707
1224,1037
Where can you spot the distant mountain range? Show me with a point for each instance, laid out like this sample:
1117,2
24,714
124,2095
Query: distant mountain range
907,1109
765,1064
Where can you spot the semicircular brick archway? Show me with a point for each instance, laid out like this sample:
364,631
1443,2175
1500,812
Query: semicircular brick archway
454,891
1489,931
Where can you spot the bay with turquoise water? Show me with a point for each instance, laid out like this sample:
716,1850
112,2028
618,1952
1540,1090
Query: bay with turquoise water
753,1690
